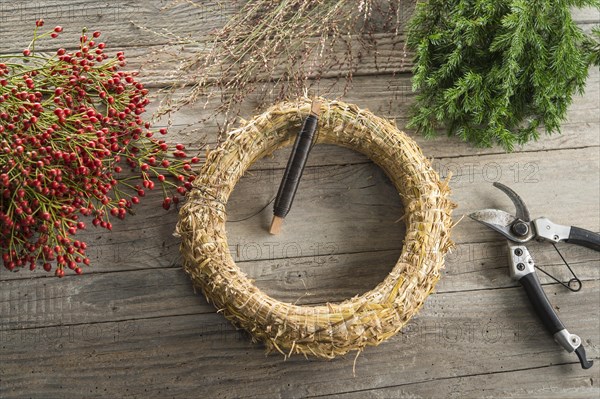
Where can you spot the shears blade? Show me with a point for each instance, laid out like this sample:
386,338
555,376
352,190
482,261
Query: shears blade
499,221
521,208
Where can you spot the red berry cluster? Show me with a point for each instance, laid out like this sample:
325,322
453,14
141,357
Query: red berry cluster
73,147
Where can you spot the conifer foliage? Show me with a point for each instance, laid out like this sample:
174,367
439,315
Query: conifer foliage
493,71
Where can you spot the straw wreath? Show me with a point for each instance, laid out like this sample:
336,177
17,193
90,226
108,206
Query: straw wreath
333,329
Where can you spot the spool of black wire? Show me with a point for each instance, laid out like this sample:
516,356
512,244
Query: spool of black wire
295,167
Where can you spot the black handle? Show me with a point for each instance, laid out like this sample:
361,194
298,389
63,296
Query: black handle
540,303
295,167
585,238
544,309
585,363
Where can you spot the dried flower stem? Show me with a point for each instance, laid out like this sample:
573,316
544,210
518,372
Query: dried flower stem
281,44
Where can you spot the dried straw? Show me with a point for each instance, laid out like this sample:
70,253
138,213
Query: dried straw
328,330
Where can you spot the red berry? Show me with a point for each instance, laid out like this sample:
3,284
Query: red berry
59,273
58,29
68,148
26,52
39,22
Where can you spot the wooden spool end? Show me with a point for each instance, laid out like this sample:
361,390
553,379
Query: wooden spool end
315,107
276,225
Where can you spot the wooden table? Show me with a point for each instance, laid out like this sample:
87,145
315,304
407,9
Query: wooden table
132,326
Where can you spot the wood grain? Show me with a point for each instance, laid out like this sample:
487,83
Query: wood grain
367,221
132,325
458,336
319,278
391,97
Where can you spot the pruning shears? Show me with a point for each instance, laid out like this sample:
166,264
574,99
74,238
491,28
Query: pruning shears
520,229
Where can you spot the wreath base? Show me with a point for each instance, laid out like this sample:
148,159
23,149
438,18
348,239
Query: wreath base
332,329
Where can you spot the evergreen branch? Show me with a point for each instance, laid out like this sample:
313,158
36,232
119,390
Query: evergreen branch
493,72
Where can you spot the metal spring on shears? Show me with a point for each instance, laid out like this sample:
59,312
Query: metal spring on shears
574,281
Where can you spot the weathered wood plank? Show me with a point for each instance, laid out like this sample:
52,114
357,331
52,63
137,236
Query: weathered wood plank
120,21
471,267
531,174
157,45
388,96
474,266
586,14
139,294
544,382
164,21
476,337
391,97
386,55
130,24
98,298
366,222
457,335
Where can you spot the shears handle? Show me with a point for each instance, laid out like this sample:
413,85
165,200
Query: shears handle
550,231
522,269
584,238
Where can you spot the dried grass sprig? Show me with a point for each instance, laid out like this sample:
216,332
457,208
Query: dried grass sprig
279,49
329,330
